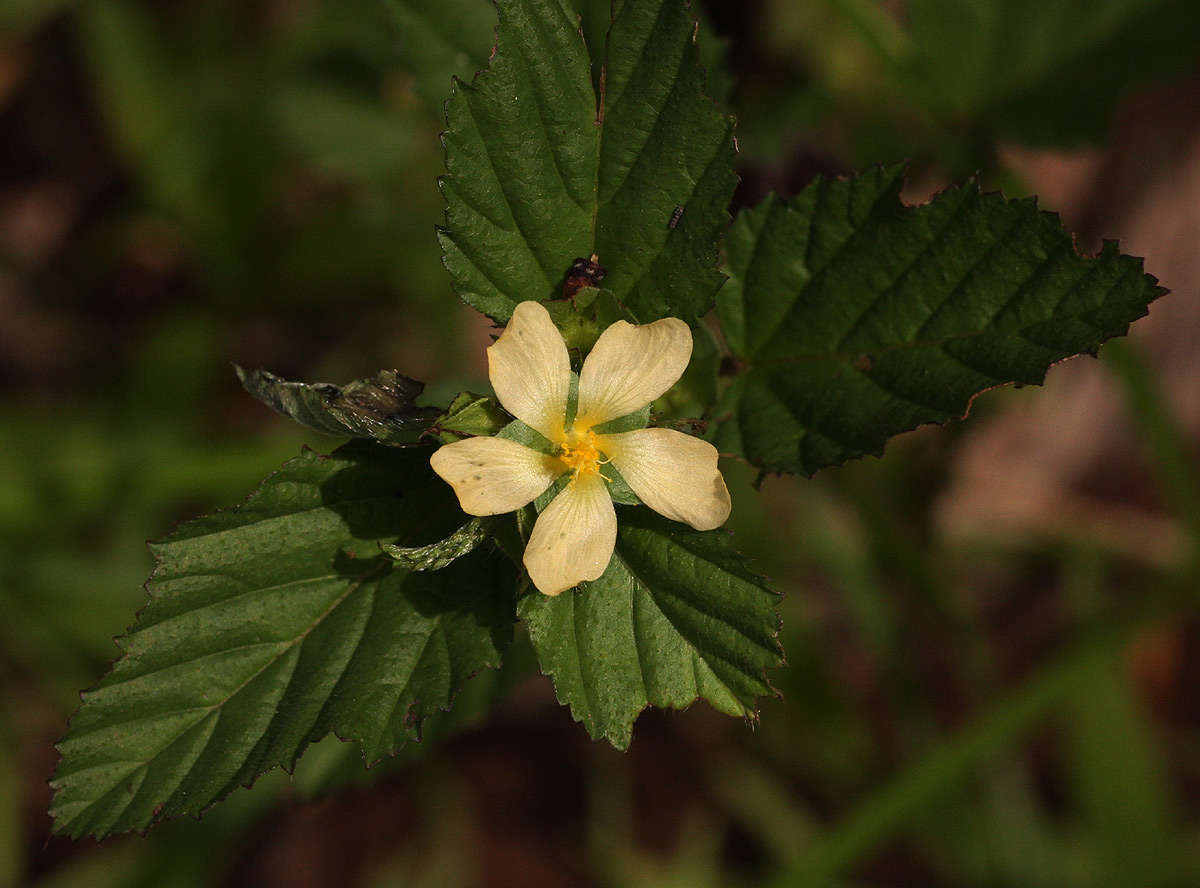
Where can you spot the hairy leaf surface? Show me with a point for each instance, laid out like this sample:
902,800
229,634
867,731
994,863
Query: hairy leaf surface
856,318
675,617
541,170
274,624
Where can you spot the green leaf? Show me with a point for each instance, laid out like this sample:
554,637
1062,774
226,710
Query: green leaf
675,617
470,414
435,556
1046,71
442,39
381,409
541,172
857,318
273,624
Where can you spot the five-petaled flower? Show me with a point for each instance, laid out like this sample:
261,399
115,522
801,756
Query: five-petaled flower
674,474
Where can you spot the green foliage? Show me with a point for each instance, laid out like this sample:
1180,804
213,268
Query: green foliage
273,624
676,617
541,170
1045,72
381,409
859,318
347,598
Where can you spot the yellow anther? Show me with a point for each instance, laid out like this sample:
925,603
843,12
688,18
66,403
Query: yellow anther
579,452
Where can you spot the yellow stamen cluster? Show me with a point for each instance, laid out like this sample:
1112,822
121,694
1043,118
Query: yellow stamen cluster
578,450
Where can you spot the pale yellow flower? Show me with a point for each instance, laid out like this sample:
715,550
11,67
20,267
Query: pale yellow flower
674,474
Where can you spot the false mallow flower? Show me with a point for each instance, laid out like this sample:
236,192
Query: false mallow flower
674,474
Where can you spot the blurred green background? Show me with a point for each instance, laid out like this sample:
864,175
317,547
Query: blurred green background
992,632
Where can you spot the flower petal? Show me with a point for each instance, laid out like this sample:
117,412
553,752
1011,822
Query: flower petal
530,370
629,367
492,476
674,474
573,538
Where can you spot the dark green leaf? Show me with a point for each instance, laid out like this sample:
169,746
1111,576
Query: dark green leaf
435,556
273,624
381,409
541,172
858,318
675,617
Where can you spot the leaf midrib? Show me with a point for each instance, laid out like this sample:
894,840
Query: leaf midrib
703,654
205,711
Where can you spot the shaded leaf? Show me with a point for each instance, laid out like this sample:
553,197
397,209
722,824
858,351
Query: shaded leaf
675,617
381,409
541,172
274,624
856,318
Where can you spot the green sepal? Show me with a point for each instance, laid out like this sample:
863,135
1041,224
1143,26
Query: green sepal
527,436
547,496
627,423
618,488
469,415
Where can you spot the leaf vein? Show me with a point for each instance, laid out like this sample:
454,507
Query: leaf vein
890,289
469,94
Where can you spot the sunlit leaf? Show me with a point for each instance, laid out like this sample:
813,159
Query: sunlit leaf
541,171
675,617
274,624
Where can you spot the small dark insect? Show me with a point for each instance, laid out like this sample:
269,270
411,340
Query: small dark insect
675,217
583,273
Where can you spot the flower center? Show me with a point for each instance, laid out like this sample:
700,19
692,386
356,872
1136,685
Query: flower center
579,452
